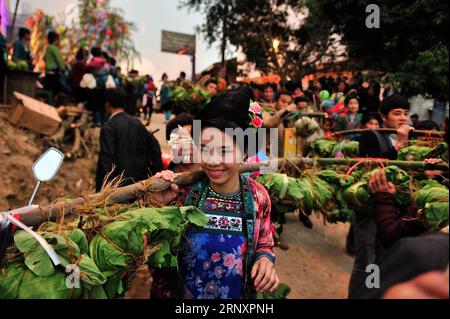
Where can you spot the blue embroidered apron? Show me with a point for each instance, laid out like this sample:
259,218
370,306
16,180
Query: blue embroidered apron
213,260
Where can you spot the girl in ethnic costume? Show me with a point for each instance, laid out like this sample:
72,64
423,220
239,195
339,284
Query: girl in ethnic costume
231,257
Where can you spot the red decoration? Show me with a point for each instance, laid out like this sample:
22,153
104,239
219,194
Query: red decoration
166,159
29,22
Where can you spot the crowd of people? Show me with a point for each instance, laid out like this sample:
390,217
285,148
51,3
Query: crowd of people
373,233
84,79
232,256
349,103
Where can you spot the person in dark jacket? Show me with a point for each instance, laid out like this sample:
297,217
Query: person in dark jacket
392,221
395,115
363,231
78,70
125,145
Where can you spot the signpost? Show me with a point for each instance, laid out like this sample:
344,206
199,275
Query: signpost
179,43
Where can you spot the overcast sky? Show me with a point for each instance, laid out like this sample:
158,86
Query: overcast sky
150,17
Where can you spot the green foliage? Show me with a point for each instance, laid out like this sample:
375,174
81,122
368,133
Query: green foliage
432,202
428,73
439,151
411,43
435,215
253,25
120,244
190,98
329,149
413,153
127,241
105,26
282,292
33,275
337,195
283,186
308,192
18,65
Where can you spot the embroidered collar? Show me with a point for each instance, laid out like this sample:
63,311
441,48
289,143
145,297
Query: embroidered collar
234,196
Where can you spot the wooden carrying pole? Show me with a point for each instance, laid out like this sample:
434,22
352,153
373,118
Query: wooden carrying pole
391,131
38,215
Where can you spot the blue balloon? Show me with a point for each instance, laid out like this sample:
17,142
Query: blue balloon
328,104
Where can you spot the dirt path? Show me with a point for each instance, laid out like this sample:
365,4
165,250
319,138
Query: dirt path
316,264
19,148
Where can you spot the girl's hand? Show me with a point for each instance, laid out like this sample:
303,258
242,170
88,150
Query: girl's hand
264,275
168,196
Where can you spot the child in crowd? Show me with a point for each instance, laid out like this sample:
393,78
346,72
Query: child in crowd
328,127
268,93
371,120
303,105
351,120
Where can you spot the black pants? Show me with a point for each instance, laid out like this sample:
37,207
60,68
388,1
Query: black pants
96,104
53,86
367,247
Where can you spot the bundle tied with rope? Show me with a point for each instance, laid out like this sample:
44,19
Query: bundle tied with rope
337,194
432,202
102,243
328,149
350,149
305,191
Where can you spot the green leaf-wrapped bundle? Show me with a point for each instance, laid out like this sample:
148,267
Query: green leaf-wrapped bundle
413,153
317,193
432,202
439,151
357,195
120,246
128,240
191,98
178,94
33,275
329,149
309,192
280,186
402,181
18,282
338,179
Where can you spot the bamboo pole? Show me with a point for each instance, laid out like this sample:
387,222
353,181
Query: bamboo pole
391,131
320,115
38,215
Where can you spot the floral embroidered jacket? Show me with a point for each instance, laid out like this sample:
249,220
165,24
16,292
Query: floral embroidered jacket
260,240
